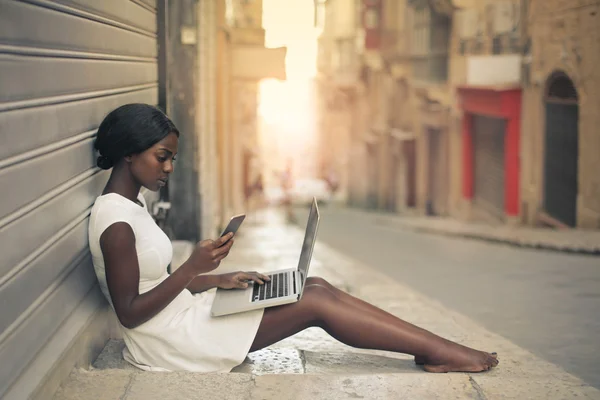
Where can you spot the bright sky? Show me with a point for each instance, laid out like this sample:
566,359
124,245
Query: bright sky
290,23
287,107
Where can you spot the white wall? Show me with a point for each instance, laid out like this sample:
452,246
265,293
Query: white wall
494,70
345,18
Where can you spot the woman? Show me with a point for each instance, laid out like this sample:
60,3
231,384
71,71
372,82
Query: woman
166,319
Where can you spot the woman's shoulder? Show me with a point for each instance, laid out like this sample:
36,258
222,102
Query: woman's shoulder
109,209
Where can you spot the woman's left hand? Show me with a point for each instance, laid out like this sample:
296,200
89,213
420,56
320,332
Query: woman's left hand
239,280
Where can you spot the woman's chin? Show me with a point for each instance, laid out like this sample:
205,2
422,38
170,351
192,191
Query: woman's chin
154,187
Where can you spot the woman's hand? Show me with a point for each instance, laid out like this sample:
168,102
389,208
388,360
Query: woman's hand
239,280
208,254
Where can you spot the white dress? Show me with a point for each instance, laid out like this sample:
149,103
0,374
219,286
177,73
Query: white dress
183,336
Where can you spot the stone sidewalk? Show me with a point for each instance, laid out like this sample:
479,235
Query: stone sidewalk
311,365
568,240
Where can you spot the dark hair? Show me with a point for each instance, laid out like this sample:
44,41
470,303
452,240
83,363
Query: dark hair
130,129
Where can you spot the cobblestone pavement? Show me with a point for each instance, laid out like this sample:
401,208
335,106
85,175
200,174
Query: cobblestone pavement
312,365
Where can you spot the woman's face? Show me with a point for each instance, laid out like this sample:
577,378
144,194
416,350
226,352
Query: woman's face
152,167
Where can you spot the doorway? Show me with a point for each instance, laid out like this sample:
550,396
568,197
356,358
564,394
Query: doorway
410,156
561,150
437,175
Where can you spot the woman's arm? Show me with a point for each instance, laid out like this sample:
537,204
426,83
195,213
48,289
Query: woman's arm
123,274
232,280
203,283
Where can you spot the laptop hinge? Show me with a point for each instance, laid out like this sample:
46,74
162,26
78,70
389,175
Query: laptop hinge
294,284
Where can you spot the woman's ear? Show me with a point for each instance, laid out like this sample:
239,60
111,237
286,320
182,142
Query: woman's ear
127,159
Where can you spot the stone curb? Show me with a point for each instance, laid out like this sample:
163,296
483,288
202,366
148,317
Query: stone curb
538,245
516,236
131,385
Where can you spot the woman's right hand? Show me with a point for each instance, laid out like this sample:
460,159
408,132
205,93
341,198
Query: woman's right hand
207,254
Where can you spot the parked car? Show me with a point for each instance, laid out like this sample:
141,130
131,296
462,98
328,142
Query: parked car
304,190
274,195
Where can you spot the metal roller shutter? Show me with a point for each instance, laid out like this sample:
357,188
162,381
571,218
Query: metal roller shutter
63,66
488,138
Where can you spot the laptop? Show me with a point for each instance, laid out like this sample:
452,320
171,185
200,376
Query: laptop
285,287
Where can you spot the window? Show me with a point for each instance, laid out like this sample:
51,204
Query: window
320,14
420,43
429,45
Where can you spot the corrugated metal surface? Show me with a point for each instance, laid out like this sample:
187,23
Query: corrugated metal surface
488,143
63,66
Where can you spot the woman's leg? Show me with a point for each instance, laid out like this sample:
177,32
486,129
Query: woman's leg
358,303
354,301
363,327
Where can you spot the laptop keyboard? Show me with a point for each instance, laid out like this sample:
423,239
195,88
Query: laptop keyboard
276,287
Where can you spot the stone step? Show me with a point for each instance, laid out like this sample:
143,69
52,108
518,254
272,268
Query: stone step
287,360
131,385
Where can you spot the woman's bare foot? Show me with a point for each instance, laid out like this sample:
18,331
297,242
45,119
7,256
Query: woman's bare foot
456,358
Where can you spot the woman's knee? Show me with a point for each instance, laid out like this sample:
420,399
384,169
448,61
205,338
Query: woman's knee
315,280
320,303
317,296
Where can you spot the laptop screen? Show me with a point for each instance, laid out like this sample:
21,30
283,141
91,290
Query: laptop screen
310,238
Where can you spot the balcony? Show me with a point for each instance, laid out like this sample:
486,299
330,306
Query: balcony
494,70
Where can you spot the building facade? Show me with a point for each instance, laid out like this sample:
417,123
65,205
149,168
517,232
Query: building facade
561,142
446,111
338,87
487,56
464,120
401,104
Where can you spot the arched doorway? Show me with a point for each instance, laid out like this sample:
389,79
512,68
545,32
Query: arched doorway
561,149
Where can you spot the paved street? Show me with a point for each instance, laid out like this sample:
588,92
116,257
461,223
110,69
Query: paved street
546,302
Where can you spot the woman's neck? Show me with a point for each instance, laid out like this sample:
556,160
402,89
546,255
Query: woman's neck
122,183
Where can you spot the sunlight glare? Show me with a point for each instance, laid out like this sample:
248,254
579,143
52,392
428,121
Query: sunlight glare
286,108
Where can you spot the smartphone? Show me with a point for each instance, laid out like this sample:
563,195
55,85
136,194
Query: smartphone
233,225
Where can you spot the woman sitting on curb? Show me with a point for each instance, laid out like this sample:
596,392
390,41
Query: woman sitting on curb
166,320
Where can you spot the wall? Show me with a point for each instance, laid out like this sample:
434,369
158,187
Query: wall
223,105
206,120
343,12
246,32
183,100
55,88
